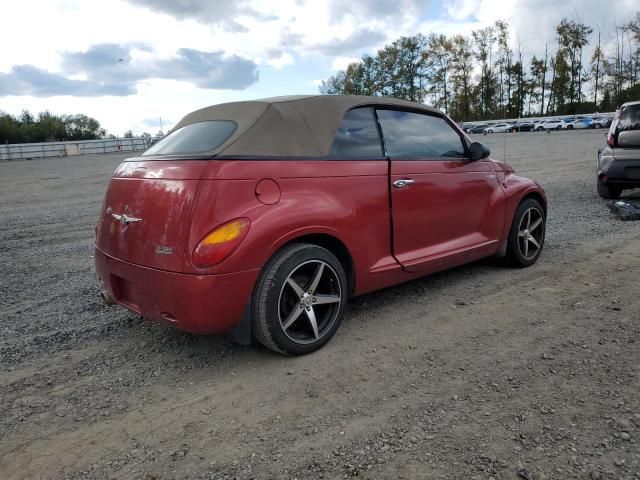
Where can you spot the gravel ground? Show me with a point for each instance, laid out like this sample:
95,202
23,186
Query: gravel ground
475,373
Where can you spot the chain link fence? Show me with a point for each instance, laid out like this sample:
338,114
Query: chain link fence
27,151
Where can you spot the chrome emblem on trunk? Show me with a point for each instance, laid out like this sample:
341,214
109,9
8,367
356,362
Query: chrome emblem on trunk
123,218
164,250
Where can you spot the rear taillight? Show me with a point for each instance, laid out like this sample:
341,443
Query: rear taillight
220,243
612,135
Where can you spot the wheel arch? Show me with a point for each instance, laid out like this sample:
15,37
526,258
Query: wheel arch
515,200
331,243
538,197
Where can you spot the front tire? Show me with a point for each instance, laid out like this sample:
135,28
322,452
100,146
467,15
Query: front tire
299,300
526,237
607,191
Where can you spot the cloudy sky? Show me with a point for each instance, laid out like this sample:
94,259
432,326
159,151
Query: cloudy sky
128,63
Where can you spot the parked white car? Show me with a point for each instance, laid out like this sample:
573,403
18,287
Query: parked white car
499,128
551,125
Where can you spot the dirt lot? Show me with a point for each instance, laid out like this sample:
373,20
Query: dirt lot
468,374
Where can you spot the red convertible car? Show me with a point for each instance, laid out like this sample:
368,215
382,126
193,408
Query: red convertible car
261,218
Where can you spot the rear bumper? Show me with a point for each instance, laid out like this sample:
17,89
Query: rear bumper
195,303
621,171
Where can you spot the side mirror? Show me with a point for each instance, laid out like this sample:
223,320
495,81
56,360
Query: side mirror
478,151
629,138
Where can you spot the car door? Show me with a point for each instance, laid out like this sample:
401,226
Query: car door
446,209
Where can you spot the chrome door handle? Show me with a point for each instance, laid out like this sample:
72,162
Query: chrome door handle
403,182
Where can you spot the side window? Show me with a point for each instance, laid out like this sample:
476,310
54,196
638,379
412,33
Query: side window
357,136
418,135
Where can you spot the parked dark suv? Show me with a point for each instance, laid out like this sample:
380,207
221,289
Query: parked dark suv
619,161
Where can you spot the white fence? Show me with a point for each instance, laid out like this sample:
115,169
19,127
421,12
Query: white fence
27,151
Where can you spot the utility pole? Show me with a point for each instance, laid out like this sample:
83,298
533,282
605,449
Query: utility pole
544,76
595,97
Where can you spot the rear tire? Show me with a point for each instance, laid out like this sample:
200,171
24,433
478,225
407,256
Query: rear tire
526,237
607,191
299,300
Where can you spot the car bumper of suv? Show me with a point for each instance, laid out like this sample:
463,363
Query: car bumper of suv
203,304
627,171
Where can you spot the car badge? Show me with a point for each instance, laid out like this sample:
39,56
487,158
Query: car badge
123,218
162,250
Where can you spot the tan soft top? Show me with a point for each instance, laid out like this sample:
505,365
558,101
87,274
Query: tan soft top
287,126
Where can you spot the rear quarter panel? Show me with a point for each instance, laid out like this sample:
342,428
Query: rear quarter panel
345,199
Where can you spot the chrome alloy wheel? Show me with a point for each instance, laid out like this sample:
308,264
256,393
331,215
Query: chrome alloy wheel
531,233
309,302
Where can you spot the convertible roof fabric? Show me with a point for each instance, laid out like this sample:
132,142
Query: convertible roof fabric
287,126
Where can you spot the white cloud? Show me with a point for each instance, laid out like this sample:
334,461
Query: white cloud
461,9
294,43
340,63
533,23
281,61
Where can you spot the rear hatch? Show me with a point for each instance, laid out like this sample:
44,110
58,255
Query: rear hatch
146,213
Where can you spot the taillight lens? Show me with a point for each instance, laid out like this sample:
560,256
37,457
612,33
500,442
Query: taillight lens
220,243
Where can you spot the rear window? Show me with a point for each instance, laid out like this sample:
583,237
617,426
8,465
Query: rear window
197,137
629,118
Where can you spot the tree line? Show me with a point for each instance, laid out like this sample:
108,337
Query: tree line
47,127
483,76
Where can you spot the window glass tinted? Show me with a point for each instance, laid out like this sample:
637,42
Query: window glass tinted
357,136
408,134
195,138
